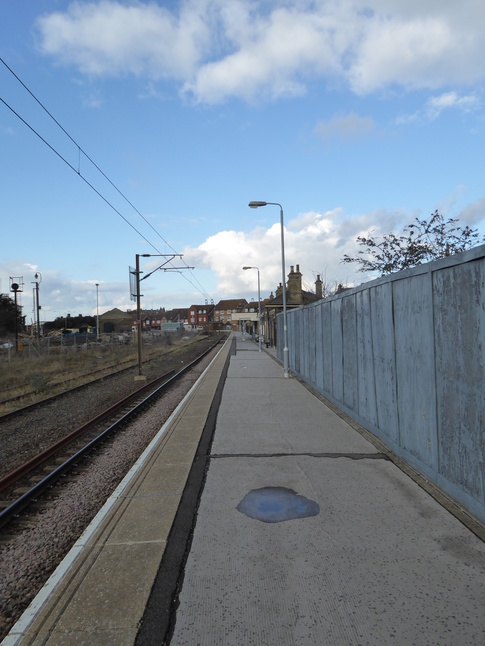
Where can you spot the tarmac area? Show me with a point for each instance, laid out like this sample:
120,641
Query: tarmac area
302,532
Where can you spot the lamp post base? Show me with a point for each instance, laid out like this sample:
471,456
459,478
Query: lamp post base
285,362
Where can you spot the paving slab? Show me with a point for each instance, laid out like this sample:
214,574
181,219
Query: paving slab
261,411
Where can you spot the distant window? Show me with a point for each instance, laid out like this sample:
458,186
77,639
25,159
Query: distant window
222,311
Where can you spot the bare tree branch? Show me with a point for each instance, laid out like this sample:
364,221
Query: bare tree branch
422,241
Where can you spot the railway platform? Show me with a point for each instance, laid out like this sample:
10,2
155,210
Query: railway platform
261,516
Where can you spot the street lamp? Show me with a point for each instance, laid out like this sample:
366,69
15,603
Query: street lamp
259,306
255,205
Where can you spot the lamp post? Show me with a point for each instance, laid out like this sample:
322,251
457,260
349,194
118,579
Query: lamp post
97,312
255,205
259,306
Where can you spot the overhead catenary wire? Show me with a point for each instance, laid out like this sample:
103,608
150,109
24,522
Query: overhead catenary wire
76,171
198,288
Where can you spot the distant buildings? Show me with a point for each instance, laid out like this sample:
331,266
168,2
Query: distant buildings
224,311
296,296
228,314
200,315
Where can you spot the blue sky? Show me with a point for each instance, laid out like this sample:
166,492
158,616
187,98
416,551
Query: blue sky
355,116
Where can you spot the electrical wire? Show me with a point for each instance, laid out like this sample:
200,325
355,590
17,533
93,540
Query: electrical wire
78,172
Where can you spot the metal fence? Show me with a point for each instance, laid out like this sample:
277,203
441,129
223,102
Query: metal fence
32,347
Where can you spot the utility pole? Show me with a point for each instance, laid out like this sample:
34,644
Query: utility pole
16,285
97,313
138,314
137,295
38,280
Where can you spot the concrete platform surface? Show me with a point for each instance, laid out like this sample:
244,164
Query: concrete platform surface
380,563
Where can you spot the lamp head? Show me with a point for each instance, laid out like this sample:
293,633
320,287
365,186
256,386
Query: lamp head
247,268
255,205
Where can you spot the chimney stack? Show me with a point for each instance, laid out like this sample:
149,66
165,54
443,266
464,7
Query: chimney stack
319,288
294,282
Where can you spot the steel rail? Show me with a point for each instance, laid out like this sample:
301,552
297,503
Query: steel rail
21,471
23,501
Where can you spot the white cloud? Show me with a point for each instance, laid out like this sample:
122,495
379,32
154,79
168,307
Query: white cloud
473,213
316,242
273,58
217,49
112,39
348,127
449,100
59,294
407,53
435,105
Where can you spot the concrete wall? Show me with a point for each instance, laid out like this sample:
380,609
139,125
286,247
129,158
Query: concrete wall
405,357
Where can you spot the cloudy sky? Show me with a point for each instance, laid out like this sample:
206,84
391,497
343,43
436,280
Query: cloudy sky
135,127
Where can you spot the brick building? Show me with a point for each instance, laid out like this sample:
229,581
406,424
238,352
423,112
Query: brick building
296,296
200,315
224,310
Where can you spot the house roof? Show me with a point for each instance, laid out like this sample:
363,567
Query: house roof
206,307
232,304
176,314
153,314
116,314
292,300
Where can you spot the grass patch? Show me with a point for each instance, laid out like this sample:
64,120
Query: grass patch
33,374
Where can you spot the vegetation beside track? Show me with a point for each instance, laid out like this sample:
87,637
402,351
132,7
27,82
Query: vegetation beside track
26,380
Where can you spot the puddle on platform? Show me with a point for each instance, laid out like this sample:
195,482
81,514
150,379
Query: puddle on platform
276,504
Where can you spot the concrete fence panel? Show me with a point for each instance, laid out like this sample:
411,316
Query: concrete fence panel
350,372
460,323
365,359
382,316
337,349
415,372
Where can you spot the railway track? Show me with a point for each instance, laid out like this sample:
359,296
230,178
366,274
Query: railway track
29,481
